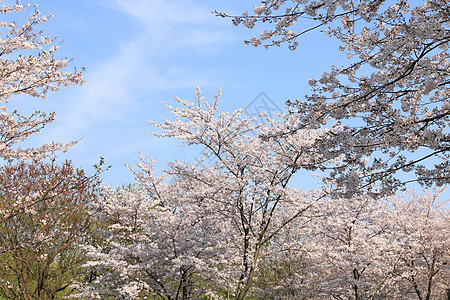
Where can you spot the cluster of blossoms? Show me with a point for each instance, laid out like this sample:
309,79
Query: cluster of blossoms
391,101
238,228
28,66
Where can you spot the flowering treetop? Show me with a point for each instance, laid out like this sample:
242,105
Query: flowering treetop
28,66
392,99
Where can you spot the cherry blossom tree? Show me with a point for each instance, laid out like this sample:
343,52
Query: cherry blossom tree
249,185
236,228
155,244
422,229
45,215
391,100
363,248
212,224
28,67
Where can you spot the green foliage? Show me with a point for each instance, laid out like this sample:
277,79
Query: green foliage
45,217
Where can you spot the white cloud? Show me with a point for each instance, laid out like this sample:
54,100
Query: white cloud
154,55
144,63
162,15
178,25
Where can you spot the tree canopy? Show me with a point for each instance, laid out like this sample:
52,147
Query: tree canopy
389,107
28,67
234,224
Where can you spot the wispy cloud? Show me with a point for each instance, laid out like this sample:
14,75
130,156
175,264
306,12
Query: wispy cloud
175,25
155,55
167,14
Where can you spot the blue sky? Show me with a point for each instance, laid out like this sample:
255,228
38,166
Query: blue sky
138,53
